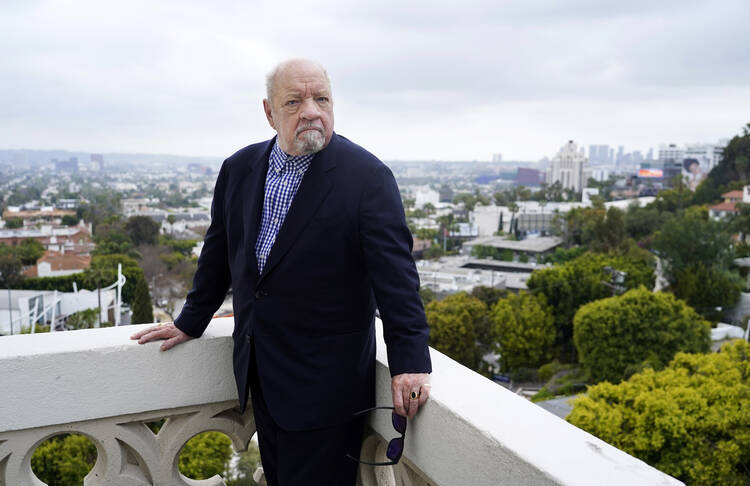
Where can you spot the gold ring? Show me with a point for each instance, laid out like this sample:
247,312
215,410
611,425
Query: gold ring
414,395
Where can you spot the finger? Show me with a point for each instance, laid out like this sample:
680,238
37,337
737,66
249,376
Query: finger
405,397
162,332
413,403
424,393
398,397
143,332
171,342
156,327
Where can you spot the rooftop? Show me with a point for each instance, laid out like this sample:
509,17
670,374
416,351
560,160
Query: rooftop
539,244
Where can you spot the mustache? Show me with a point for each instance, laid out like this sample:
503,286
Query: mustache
308,126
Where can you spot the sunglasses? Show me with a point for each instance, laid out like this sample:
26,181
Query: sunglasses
395,446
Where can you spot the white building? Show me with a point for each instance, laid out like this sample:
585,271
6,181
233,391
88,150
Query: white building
424,195
708,155
570,167
671,152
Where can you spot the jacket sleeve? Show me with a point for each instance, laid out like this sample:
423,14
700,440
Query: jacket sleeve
386,244
212,278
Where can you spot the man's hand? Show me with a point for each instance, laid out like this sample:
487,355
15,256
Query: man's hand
164,330
408,385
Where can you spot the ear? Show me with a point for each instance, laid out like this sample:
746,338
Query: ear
269,115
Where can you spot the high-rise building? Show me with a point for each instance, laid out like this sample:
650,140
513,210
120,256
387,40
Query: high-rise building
497,157
70,165
97,162
707,154
569,167
593,154
671,152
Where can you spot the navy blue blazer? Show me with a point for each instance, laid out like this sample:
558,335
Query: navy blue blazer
343,248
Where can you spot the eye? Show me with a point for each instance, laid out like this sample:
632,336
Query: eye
323,99
291,103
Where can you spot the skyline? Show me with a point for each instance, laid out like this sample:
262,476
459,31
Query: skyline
433,82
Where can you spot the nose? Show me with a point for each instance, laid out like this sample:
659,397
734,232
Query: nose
310,110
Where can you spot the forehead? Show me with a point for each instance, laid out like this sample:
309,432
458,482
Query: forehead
301,77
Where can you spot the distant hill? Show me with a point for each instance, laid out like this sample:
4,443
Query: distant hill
33,158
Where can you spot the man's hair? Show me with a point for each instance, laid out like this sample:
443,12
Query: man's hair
271,77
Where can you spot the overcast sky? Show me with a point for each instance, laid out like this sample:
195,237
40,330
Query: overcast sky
412,80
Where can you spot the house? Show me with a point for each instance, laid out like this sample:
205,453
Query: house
55,263
67,239
729,206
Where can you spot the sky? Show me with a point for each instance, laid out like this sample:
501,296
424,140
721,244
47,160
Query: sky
412,80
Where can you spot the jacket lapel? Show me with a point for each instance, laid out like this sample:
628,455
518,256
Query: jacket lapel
312,191
252,189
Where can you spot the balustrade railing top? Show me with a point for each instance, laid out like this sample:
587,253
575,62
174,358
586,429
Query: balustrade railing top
100,383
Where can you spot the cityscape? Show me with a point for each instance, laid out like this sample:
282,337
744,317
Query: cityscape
93,240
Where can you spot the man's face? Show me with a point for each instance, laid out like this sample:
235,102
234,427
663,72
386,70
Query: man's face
301,110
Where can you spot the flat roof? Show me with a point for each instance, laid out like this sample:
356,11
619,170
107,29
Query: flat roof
539,244
498,265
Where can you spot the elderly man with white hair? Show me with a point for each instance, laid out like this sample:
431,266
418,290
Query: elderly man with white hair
309,231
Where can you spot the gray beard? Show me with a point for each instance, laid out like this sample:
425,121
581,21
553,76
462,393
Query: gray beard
309,142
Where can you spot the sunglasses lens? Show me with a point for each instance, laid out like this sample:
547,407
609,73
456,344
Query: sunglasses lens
399,422
395,448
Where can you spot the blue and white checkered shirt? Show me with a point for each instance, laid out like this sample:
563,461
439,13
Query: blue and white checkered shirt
284,176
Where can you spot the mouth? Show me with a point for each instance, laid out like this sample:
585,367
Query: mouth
307,129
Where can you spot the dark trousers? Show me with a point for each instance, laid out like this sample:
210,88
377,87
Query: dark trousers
310,457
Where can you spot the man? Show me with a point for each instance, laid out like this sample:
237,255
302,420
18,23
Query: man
309,231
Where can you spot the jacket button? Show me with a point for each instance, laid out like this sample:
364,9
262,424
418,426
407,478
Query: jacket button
259,294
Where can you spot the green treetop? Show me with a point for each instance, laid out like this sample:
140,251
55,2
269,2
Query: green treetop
689,420
618,335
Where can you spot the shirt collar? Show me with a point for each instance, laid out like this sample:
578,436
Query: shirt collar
279,159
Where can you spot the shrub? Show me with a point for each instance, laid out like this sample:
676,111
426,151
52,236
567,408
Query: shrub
616,336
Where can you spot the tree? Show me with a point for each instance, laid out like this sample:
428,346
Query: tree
84,319
142,230
63,459
616,336
691,238
142,310
453,327
708,289
642,222
524,331
596,228
13,223
171,219
112,238
205,455
69,220
689,420
568,286
427,295
488,295
29,251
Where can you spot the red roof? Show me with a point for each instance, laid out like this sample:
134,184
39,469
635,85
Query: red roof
60,261
732,195
725,207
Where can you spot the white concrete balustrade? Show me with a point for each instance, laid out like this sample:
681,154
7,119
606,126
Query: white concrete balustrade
99,383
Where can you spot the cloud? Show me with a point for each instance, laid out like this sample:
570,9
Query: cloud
187,77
